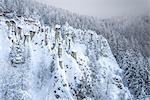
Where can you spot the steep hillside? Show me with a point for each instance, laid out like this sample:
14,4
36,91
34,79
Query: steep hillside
49,63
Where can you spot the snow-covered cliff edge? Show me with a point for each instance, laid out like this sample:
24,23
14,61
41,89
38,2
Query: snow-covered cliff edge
49,63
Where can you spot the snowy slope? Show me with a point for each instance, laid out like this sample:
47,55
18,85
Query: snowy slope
77,66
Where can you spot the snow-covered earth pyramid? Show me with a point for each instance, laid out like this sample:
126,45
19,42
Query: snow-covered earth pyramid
40,62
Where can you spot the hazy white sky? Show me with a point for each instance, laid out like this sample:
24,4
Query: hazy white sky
102,8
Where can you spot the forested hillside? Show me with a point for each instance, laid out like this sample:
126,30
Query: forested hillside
128,37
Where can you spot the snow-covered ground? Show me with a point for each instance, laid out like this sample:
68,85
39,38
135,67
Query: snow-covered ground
74,65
